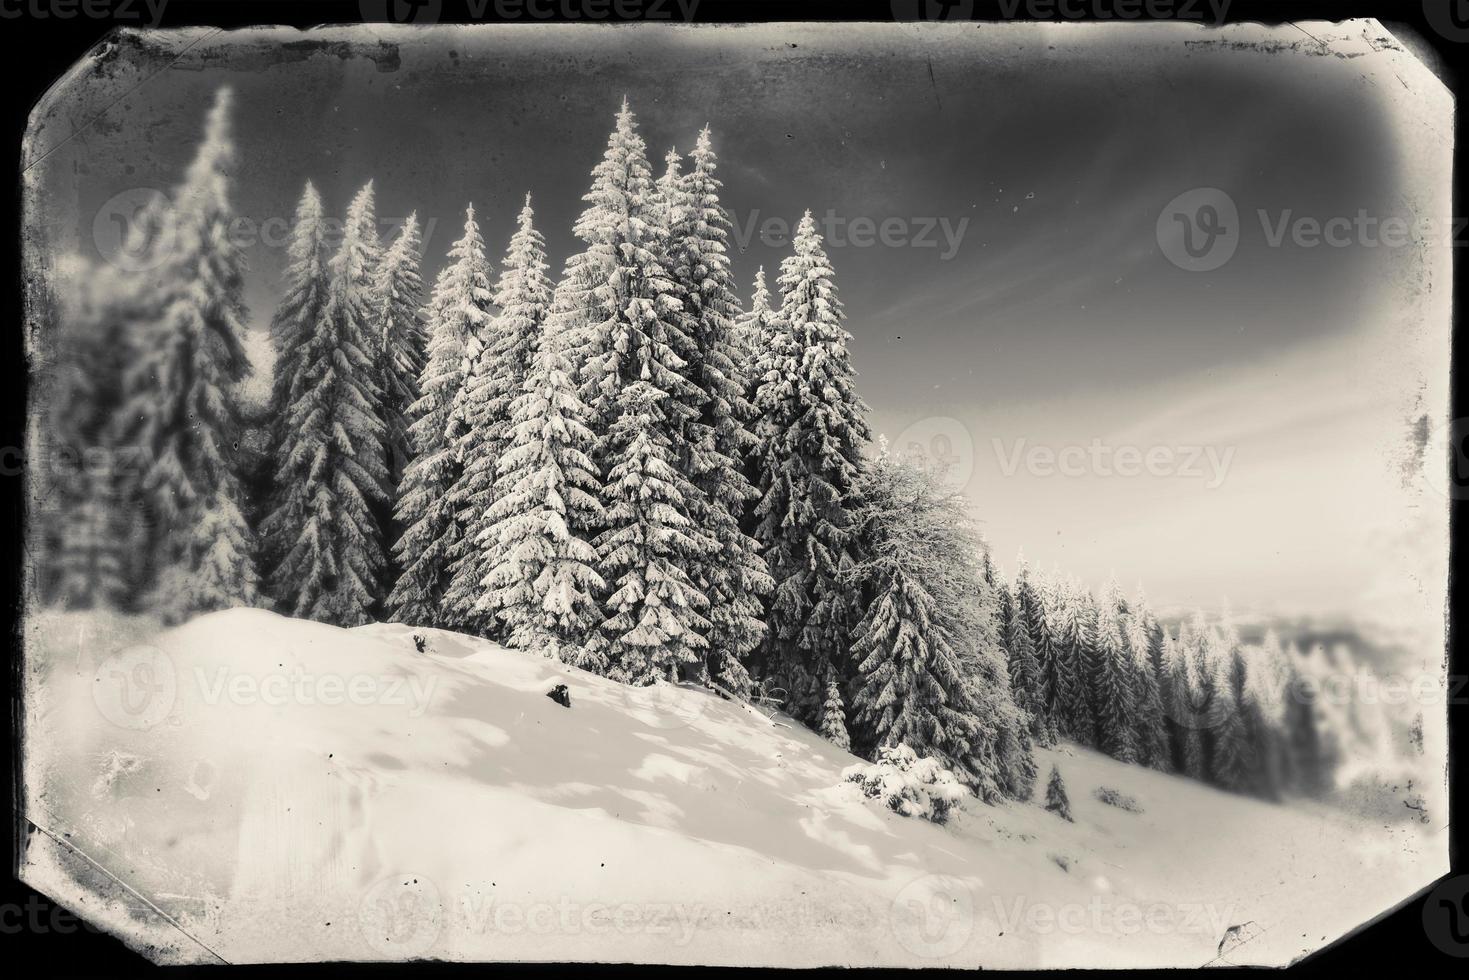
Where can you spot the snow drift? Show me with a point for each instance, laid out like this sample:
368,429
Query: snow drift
249,787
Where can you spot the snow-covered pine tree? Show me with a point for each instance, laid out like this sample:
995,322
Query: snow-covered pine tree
495,380
544,585
458,315
1056,800
181,409
833,725
400,340
1074,638
812,428
995,584
1150,731
1112,691
668,197
84,555
1185,701
1226,752
753,330
733,577
1263,710
1312,747
619,309
655,614
930,672
304,290
1043,619
90,569
1025,669
1006,744
332,472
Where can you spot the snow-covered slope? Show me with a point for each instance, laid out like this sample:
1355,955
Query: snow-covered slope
289,790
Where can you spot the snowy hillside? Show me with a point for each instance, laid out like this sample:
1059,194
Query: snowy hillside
289,790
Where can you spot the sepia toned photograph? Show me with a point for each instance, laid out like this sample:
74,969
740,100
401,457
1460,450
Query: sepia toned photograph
912,493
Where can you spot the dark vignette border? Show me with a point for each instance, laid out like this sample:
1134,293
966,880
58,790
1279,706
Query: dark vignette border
35,52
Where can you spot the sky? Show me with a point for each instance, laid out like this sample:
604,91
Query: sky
1021,304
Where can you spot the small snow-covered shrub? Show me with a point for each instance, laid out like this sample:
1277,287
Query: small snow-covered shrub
908,784
1111,797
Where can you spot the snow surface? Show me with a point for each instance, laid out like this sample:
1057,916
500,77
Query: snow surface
287,790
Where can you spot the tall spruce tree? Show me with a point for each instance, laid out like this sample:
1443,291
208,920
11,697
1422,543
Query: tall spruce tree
1150,732
332,472
495,380
733,576
180,407
457,319
398,333
753,330
1044,621
1262,710
1186,701
1025,668
1115,709
1224,733
304,287
930,673
618,306
1313,747
812,429
544,584
1076,632
82,531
